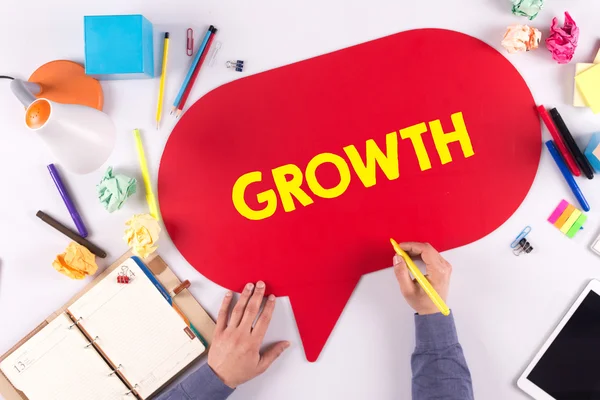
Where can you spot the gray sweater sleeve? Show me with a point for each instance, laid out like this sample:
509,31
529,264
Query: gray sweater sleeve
202,384
439,367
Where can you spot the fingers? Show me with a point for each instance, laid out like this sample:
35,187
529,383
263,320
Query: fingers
224,312
253,306
260,328
429,255
407,286
271,354
238,310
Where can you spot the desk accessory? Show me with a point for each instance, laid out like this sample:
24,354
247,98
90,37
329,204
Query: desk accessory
118,47
567,175
80,137
81,331
67,200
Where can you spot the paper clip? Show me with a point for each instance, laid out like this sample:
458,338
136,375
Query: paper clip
215,50
522,235
190,42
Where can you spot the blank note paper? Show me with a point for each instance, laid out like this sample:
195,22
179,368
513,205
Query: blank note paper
137,328
588,83
55,365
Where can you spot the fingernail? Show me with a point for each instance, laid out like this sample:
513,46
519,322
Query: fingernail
286,345
271,297
228,294
260,285
249,286
397,259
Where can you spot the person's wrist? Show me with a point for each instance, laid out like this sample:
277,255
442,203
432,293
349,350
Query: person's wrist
223,377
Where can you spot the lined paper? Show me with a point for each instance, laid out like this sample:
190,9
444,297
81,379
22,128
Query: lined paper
55,365
137,328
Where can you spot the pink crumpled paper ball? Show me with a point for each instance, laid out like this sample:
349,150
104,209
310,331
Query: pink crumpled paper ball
562,42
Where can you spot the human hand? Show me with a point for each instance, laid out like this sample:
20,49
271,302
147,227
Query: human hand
438,274
235,352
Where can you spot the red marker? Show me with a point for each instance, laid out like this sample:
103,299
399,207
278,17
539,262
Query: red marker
558,140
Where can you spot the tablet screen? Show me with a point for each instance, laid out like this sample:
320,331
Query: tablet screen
570,367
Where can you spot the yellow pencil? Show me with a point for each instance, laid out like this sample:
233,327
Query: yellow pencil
429,290
145,175
163,78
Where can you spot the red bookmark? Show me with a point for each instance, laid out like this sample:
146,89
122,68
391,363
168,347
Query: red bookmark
559,141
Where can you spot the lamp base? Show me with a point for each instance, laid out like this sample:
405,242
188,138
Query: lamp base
65,82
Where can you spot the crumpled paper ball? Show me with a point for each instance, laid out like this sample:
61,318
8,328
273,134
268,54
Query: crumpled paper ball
562,42
141,234
76,262
527,8
519,38
113,190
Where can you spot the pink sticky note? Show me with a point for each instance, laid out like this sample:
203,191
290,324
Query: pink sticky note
558,212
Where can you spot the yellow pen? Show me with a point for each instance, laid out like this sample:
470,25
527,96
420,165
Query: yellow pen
163,78
150,199
421,280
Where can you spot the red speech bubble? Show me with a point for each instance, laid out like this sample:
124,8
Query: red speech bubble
300,175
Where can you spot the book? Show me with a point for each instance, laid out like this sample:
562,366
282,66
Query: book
116,341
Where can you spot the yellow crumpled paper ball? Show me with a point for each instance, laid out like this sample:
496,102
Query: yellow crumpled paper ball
141,234
76,262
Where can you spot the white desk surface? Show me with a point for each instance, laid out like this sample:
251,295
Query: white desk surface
505,306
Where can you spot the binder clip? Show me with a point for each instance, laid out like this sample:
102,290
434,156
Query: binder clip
237,65
520,245
125,275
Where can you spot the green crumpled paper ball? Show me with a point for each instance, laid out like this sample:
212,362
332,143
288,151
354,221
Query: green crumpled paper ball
527,8
113,190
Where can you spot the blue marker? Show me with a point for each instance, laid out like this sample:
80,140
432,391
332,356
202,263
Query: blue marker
186,81
567,174
153,279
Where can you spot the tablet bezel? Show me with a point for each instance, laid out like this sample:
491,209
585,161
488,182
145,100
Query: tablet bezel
525,384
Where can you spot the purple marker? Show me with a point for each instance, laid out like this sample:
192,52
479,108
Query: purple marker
65,196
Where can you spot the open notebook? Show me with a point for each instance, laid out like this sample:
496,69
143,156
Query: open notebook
118,341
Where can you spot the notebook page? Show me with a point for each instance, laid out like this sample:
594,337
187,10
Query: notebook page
55,365
138,329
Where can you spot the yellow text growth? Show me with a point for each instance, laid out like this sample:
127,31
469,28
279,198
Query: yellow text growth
289,178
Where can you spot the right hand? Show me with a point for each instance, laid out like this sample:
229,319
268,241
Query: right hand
438,274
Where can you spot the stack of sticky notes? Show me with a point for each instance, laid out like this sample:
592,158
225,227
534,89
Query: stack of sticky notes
118,47
587,85
567,218
592,152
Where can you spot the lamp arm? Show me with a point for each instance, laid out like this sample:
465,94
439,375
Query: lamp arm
25,91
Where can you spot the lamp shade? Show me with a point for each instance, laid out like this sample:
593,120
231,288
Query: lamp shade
81,138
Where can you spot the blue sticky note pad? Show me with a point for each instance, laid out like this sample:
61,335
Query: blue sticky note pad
589,152
118,47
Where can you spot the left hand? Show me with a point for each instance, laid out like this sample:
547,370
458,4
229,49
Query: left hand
235,352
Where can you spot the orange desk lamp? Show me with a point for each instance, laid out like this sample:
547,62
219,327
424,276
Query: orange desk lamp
64,107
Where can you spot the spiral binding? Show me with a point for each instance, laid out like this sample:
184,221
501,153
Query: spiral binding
76,322
92,342
115,370
131,391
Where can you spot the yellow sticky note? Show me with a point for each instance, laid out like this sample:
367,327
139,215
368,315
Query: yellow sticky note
597,59
570,221
578,100
588,83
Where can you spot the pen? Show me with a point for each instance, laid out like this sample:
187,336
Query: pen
568,177
558,140
165,294
150,199
163,78
580,159
421,280
67,199
70,234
